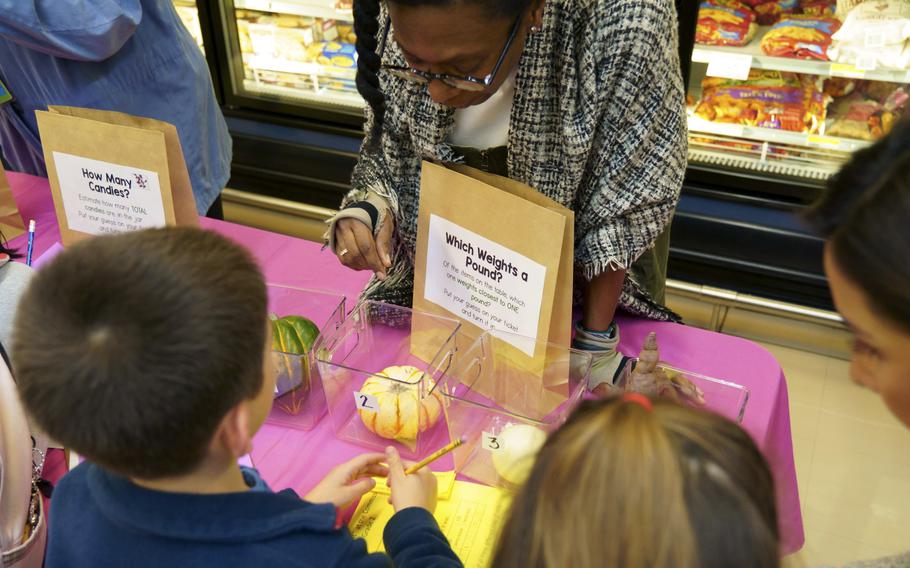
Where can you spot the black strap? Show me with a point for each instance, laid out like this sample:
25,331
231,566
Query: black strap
369,208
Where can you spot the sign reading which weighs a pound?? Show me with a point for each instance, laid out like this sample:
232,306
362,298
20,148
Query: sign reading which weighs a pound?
102,197
484,282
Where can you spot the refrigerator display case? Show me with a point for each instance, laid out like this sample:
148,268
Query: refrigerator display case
770,121
287,68
787,117
295,56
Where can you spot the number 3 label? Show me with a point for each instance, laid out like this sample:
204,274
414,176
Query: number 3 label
366,402
491,442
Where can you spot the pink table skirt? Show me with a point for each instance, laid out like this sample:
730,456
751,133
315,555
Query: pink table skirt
291,458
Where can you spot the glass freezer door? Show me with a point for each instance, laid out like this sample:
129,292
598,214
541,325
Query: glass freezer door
293,52
189,14
774,93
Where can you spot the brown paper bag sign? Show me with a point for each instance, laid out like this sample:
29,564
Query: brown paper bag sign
112,172
497,254
11,224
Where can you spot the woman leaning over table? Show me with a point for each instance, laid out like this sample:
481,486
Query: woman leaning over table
581,99
865,219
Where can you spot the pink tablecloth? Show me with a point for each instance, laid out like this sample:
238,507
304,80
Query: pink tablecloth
290,458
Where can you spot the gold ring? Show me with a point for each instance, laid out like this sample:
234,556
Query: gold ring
342,253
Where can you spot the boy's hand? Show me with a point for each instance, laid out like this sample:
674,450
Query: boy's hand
349,481
415,490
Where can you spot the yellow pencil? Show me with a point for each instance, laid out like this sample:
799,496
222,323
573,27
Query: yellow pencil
434,456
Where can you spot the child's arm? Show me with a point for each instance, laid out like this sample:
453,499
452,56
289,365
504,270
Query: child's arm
349,481
412,536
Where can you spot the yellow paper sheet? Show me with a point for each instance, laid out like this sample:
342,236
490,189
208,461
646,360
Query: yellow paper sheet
471,518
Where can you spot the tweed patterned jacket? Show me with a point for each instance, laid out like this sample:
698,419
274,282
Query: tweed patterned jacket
598,124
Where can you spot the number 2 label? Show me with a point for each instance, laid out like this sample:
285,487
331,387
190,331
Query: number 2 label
491,442
366,402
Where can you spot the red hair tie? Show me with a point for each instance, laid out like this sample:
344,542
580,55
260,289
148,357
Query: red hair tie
639,399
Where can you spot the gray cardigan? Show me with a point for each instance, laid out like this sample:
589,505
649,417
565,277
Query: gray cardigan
598,124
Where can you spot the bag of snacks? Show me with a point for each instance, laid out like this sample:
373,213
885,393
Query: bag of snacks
768,99
818,8
770,12
803,37
895,56
870,112
876,23
725,22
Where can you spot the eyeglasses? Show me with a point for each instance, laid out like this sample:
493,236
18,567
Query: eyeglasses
468,83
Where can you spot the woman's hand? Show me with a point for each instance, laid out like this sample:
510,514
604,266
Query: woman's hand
415,490
349,481
357,249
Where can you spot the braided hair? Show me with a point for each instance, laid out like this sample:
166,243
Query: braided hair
366,28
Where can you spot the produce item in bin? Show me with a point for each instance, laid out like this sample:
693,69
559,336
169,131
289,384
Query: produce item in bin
518,447
292,336
402,414
648,377
725,22
768,99
803,37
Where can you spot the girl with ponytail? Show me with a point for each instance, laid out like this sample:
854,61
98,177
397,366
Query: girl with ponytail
581,99
631,483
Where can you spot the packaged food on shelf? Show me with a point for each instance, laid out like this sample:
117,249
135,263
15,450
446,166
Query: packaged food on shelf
804,37
869,112
818,8
769,12
339,54
768,99
895,56
876,23
725,22
875,34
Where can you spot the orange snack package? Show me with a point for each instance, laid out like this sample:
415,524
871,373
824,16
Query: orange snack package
725,22
803,37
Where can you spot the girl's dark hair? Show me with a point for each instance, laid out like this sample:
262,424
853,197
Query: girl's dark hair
367,27
864,217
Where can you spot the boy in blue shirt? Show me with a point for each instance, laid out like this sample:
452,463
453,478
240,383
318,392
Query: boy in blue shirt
148,353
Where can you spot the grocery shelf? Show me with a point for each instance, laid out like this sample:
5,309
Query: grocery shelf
331,98
834,143
326,9
722,57
263,63
733,151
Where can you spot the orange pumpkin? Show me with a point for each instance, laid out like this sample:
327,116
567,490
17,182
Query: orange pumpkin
402,414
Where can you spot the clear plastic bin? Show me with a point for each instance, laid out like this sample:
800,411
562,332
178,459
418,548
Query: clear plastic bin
504,403
721,397
300,401
369,407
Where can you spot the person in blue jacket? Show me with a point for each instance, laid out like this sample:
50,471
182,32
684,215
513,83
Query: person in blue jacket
149,353
132,56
